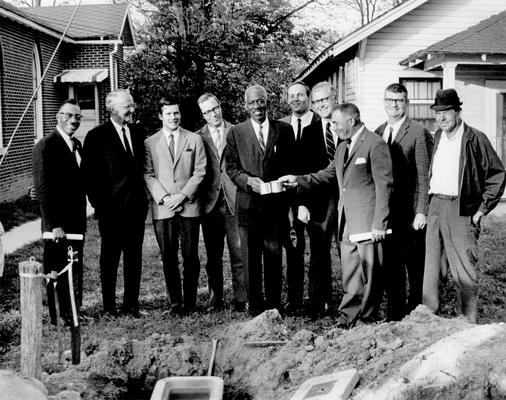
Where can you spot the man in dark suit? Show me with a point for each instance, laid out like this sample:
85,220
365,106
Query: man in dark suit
113,169
175,164
62,198
410,147
217,201
301,116
363,168
258,151
318,145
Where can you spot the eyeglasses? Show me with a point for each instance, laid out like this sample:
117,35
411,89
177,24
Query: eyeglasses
322,100
68,116
394,101
211,111
260,102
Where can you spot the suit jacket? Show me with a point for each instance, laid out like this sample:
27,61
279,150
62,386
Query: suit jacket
165,175
313,158
411,152
114,180
245,159
216,177
365,182
59,185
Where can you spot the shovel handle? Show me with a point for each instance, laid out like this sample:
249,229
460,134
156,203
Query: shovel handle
210,370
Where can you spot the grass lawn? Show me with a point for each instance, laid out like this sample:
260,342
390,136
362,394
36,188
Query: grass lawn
492,278
18,212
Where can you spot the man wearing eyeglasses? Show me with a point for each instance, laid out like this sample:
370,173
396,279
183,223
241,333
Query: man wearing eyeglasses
260,150
217,200
319,207
466,181
59,188
297,97
114,174
410,147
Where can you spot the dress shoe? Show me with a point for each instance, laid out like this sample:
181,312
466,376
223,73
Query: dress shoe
110,312
294,310
175,309
342,322
216,307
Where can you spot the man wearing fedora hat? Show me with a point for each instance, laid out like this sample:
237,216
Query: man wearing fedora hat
466,181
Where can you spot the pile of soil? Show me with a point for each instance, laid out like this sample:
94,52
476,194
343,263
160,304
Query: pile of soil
116,370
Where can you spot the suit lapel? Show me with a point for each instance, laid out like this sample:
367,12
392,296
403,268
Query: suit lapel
271,138
206,136
183,139
65,150
403,129
358,143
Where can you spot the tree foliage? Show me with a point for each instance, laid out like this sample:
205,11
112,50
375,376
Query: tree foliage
193,46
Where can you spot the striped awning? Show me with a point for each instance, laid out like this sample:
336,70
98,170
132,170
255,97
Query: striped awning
82,75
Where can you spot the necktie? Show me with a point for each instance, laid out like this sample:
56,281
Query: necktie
76,149
389,138
127,144
299,128
329,142
261,138
347,150
217,140
171,144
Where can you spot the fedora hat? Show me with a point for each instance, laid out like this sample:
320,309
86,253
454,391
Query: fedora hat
446,99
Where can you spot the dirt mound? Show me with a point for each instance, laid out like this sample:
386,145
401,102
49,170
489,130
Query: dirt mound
378,352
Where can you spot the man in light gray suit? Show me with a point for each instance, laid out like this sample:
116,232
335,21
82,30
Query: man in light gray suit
175,165
217,201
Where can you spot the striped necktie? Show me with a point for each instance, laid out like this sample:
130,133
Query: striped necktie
329,142
261,138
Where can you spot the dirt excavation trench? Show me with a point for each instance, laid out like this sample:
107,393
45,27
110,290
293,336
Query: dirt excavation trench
421,357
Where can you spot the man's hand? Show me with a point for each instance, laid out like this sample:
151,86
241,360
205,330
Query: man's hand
420,221
174,201
477,217
254,182
377,235
58,233
303,214
288,181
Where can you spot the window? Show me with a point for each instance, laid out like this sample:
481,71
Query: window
421,94
1,98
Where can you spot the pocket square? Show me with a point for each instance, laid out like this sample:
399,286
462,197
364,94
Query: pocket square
360,160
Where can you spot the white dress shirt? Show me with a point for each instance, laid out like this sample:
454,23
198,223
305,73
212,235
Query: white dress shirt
265,129
120,134
176,135
69,143
305,120
354,138
395,128
217,133
445,166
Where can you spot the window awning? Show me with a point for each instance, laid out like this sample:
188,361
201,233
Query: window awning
82,75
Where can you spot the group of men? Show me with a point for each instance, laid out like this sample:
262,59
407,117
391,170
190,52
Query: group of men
350,182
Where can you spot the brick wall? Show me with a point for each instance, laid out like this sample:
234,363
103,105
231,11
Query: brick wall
17,44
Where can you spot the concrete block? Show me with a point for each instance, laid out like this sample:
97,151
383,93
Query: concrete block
335,386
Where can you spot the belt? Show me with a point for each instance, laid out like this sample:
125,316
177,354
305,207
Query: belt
445,196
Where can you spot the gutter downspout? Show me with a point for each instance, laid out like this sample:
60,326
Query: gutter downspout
111,66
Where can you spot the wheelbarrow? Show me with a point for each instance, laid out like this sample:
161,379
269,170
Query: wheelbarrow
191,387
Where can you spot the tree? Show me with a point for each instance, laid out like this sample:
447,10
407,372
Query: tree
193,46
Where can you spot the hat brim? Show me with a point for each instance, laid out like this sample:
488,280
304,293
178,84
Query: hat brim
444,107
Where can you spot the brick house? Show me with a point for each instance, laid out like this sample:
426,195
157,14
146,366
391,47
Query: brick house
88,64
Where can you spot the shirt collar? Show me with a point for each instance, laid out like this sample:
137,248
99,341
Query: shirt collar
167,133
119,127
355,136
65,137
304,119
458,134
265,126
395,127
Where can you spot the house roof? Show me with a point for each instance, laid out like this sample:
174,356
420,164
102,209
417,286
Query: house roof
360,34
486,37
92,21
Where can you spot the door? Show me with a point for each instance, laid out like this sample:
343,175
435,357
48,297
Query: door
87,97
